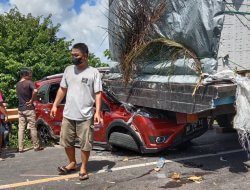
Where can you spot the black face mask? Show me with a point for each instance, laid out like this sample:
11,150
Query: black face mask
76,61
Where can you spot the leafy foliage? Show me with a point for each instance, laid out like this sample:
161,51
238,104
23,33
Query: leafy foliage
30,42
95,61
107,54
13,139
27,41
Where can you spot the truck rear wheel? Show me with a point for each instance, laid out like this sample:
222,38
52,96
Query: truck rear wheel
44,134
225,120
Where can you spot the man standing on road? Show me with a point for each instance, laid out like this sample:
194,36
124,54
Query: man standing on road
26,93
83,87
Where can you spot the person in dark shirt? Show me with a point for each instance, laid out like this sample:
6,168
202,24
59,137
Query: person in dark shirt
26,93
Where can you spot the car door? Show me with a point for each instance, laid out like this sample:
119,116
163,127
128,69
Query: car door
42,101
46,98
100,129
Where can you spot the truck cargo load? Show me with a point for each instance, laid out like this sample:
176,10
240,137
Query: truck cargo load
155,78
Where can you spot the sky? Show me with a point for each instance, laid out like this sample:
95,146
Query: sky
81,20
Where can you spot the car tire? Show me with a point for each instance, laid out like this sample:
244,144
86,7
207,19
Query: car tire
113,148
44,135
123,140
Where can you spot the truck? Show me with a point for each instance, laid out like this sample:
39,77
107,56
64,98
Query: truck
168,81
174,56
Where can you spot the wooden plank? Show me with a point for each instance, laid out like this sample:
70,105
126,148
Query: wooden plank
12,114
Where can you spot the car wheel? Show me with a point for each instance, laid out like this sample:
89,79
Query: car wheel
123,140
44,135
113,148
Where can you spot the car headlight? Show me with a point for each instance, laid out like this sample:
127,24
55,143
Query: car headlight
158,139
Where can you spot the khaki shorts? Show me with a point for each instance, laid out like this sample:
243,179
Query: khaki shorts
72,130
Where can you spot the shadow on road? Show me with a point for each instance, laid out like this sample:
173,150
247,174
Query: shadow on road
5,153
95,165
211,143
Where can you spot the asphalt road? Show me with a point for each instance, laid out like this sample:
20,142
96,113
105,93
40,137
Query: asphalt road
214,161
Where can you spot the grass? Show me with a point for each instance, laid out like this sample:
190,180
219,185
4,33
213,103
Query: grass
13,137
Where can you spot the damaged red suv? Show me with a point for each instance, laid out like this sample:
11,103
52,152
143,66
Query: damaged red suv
136,128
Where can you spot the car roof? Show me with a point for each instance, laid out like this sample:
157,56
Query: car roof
49,79
58,77
52,76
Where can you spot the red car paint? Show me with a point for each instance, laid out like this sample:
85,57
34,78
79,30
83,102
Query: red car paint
143,129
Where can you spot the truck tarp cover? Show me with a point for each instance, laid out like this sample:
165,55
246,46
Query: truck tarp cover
196,24
242,117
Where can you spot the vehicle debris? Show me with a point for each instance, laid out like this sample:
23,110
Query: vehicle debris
222,159
196,179
175,176
161,162
125,159
161,175
111,182
157,169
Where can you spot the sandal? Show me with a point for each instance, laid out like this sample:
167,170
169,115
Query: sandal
38,149
64,171
83,176
20,151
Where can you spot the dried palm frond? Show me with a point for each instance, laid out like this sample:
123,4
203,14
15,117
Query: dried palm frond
176,50
135,20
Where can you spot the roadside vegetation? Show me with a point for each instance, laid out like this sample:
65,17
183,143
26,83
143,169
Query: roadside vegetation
32,42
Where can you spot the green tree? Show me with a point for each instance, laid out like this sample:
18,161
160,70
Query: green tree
107,54
27,41
95,61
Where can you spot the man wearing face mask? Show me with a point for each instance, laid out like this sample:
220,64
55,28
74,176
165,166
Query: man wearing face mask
82,86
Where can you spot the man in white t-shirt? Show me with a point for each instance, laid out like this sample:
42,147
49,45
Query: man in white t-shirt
82,86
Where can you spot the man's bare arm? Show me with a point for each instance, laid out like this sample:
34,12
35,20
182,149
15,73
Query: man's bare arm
33,97
59,96
98,102
34,93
